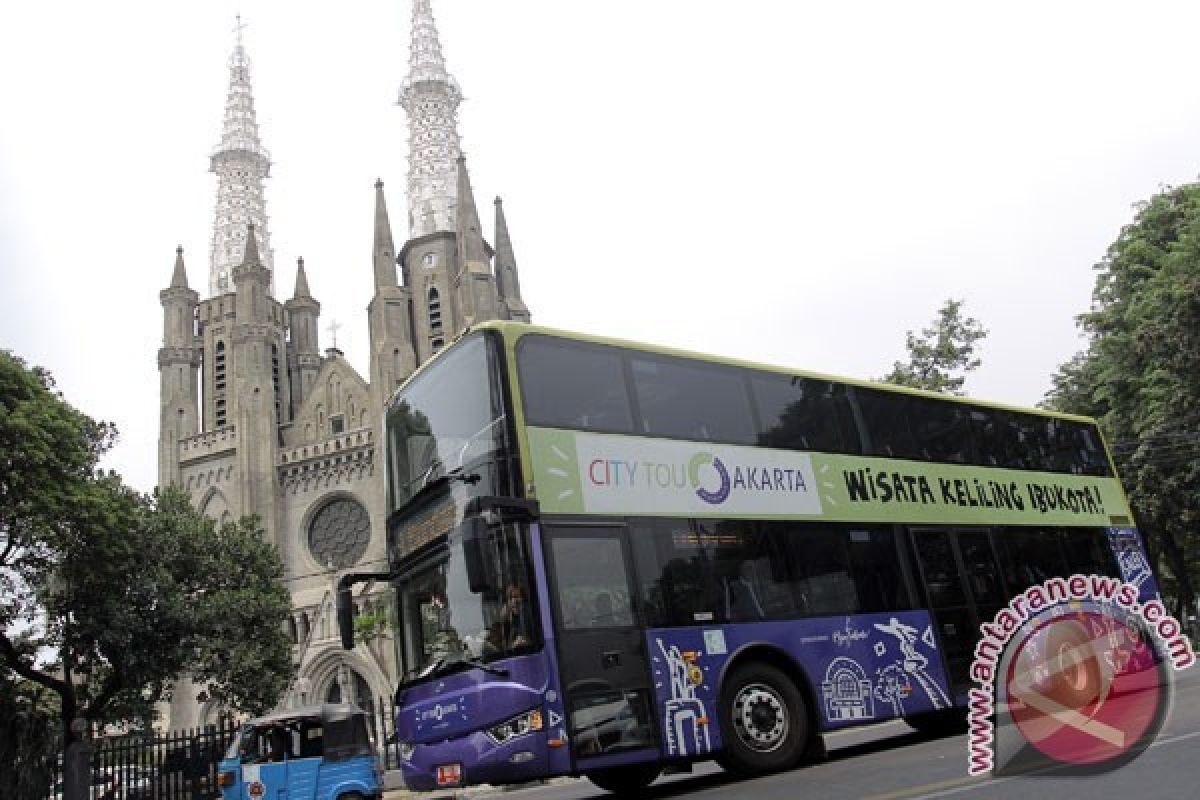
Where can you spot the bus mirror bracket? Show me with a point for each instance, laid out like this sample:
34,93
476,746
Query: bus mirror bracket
344,603
513,507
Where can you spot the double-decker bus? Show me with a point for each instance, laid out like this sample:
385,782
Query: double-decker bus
611,559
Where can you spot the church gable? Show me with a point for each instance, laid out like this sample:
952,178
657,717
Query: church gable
339,402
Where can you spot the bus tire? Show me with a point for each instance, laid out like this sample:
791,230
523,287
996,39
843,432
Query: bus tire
625,781
939,723
764,720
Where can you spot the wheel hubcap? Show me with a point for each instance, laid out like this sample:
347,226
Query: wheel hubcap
760,717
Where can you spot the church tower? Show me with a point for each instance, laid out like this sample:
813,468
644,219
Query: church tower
257,419
241,164
446,264
389,314
178,359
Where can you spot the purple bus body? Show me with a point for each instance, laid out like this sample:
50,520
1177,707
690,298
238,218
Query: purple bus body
860,668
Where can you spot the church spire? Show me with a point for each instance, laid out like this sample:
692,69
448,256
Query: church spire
250,254
430,96
301,281
384,251
179,275
471,248
241,163
475,286
508,286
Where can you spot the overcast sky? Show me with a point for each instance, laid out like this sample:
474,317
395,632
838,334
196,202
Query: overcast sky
788,182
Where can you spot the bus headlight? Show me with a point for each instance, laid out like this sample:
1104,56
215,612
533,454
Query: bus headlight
406,751
519,725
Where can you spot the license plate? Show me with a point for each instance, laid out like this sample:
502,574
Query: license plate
449,774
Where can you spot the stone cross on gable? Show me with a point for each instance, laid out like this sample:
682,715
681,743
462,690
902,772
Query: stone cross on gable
334,325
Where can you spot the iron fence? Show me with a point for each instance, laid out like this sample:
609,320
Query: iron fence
182,765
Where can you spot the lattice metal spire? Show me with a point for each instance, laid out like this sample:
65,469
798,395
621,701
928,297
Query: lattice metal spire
241,163
430,96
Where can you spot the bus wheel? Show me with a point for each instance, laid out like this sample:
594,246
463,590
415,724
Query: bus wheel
625,780
939,723
764,721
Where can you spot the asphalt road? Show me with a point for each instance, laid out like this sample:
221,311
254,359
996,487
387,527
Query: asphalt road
890,762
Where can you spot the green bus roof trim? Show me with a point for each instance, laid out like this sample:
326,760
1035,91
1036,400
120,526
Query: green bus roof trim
513,331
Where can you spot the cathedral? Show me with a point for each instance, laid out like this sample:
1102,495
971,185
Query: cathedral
257,419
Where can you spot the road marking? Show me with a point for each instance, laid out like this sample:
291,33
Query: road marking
917,789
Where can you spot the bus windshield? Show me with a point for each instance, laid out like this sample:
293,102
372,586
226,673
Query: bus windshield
448,422
447,621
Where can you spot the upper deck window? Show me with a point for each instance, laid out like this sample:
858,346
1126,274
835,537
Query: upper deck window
804,414
609,389
449,418
692,400
574,385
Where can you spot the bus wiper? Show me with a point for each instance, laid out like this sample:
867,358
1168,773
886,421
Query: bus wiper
456,474
448,665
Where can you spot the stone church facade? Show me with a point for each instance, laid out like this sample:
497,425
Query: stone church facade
257,418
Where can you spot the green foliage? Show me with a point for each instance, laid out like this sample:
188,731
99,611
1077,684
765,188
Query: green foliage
29,736
1140,375
107,595
940,357
367,627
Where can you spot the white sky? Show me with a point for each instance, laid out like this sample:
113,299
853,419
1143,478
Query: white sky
787,182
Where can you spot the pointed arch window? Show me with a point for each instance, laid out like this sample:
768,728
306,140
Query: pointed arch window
219,385
435,311
275,382
435,319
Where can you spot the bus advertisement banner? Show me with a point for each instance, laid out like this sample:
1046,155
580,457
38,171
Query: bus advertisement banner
590,473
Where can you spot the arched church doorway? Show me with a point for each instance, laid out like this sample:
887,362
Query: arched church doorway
362,697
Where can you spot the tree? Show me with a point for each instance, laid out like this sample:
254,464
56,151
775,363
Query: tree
1140,376
107,596
28,738
940,357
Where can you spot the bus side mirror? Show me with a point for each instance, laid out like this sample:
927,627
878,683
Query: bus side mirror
345,617
474,540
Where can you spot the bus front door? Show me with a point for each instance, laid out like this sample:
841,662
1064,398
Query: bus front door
601,649
963,589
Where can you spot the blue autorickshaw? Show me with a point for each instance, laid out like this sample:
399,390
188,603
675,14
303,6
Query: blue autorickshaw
311,753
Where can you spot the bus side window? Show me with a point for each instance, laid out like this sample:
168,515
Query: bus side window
887,417
804,414
1030,556
692,400
941,430
573,385
1088,552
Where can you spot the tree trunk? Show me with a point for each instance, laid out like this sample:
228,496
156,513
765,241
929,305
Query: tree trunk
77,755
